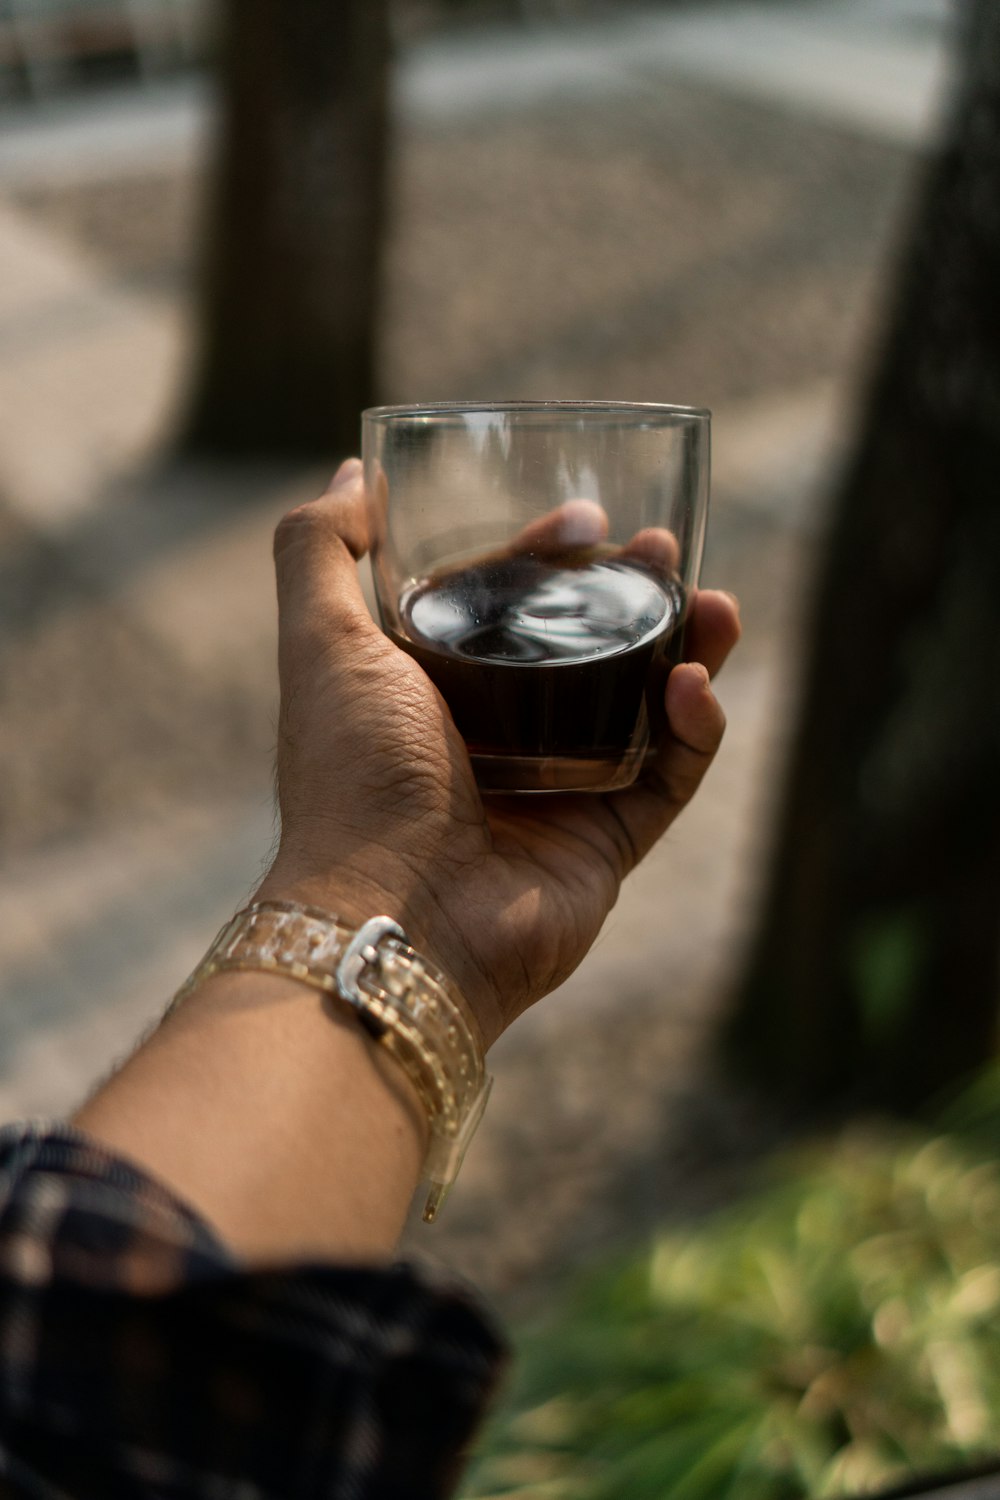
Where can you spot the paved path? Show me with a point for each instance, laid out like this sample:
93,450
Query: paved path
874,66
87,372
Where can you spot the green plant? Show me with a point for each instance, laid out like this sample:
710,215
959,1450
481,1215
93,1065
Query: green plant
835,1332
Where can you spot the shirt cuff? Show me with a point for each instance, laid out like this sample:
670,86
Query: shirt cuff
137,1355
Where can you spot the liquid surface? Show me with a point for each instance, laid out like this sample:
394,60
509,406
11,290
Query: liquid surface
526,611
541,660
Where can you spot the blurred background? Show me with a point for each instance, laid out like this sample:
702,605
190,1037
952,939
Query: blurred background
225,230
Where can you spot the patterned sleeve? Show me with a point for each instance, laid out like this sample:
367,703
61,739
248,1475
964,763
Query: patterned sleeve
138,1358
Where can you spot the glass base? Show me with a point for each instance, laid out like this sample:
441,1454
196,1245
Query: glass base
516,774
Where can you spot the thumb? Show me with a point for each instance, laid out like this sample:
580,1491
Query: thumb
316,549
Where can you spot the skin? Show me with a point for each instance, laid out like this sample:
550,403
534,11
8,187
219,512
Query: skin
270,1112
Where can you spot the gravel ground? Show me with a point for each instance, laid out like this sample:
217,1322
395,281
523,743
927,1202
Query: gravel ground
676,245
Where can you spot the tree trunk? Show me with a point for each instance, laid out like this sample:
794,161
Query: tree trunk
291,271
876,973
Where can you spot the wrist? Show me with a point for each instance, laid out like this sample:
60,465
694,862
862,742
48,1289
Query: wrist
316,1136
354,896
409,1008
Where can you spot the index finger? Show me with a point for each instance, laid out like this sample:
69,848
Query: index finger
574,526
582,526
713,628
695,726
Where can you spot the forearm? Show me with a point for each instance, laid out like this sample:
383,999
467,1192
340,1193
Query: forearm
275,1116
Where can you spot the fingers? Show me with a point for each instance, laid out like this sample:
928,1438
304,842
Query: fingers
575,525
656,548
582,525
713,629
316,547
696,725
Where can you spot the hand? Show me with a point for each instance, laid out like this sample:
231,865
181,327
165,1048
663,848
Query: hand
380,811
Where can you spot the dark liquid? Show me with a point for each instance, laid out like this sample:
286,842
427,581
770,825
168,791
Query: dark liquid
542,660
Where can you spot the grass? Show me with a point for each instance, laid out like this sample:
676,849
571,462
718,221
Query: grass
836,1332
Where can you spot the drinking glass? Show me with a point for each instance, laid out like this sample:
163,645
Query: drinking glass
537,559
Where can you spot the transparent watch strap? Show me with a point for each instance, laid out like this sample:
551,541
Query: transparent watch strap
406,1004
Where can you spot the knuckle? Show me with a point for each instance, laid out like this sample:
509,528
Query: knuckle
292,527
704,739
627,853
313,641
680,773
664,785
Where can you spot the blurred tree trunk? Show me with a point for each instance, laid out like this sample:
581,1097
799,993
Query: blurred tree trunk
875,977
289,289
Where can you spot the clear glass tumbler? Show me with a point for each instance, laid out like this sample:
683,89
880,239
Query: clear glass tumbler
537,559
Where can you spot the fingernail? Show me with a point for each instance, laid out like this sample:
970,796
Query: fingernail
581,523
696,669
346,474
733,600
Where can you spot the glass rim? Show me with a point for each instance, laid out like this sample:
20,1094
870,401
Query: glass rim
525,407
